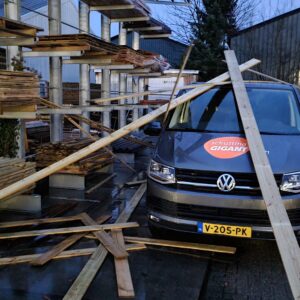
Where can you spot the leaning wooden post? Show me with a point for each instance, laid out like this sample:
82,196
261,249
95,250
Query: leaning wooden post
282,228
28,181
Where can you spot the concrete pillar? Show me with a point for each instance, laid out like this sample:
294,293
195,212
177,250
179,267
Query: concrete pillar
141,89
84,85
135,85
12,11
55,84
105,86
135,41
122,77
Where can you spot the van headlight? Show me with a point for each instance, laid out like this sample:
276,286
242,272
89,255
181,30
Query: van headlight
291,183
161,173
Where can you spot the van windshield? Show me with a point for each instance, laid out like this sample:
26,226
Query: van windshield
276,112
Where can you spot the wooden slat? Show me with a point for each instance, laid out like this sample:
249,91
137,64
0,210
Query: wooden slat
106,240
13,260
182,245
59,248
87,274
68,230
124,280
39,221
282,228
14,188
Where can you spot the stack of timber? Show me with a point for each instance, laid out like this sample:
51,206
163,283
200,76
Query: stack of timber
130,8
15,33
148,27
13,170
94,49
19,91
48,154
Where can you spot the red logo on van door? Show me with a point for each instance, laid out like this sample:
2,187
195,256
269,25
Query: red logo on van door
227,147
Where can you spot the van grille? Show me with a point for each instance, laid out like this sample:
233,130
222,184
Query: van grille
217,214
246,183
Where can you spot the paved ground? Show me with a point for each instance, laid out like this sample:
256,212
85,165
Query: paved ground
255,272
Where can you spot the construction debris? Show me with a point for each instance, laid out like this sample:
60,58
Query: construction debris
49,153
59,165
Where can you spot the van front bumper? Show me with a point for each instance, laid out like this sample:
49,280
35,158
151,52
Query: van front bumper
181,210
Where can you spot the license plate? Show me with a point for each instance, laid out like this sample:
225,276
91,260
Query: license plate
221,229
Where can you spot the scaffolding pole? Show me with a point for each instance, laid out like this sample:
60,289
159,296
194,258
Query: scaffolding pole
55,84
122,76
135,79
105,85
84,86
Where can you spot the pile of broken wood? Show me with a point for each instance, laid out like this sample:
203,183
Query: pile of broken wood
50,153
18,89
94,48
13,170
109,237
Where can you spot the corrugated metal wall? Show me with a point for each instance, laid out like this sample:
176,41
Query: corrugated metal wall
276,43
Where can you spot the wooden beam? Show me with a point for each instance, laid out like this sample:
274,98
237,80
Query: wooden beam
28,181
65,254
149,28
130,19
124,280
155,36
111,7
51,53
43,258
17,41
87,274
36,222
88,61
68,230
182,245
105,239
282,228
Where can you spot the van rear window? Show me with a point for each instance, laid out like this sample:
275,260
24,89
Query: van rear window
276,112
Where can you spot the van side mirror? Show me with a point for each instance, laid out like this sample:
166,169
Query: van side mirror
153,128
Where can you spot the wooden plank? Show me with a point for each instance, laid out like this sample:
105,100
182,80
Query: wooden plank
124,280
14,188
39,221
101,183
105,239
59,248
282,228
13,260
68,230
133,183
87,274
182,245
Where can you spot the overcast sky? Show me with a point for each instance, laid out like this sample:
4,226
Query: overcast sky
265,9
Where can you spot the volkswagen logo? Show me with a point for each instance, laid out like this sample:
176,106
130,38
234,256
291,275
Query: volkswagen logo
226,183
